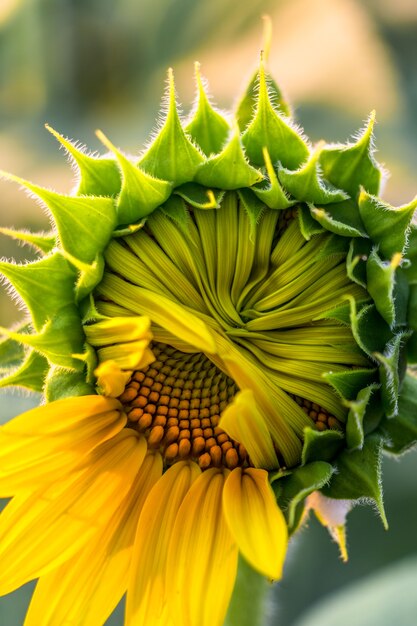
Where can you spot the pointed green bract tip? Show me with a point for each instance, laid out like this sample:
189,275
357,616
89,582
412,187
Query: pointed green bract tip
207,127
172,156
98,176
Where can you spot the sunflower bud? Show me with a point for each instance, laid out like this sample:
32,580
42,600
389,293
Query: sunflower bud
244,303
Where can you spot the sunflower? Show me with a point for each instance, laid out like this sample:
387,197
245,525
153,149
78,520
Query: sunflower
220,329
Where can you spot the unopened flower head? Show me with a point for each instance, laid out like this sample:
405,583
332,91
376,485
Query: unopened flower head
220,327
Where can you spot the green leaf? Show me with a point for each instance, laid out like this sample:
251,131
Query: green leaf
172,156
269,130
355,435
341,218
43,243
320,445
98,176
387,226
229,169
401,431
358,475
43,296
351,166
30,375
291,490
200,197
306,184
208,128
140,193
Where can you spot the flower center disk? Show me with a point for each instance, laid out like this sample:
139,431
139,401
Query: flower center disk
176,402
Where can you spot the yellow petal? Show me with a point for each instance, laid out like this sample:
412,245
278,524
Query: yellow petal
146,590
39,445
202,558
255,520
118,330
244,422
40,531
111,379
85,590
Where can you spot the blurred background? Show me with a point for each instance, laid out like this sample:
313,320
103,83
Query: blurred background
86,64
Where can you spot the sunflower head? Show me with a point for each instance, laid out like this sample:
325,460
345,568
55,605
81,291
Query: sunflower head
243,299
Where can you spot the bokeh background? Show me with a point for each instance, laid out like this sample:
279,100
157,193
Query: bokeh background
86,64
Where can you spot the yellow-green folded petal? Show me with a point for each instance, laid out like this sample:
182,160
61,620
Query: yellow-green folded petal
255,521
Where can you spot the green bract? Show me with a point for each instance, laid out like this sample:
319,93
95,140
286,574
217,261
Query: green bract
275,259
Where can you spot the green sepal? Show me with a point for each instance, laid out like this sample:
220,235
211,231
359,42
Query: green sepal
358,475
140,193
207,127
389,373
90,359
402,293
306,183
401,432
230,169
268,129
308,225
200,197
253,207
12,353
30,375
62,383
351,166
340,312
349,383
412,307
411,270
248,102
125,231
98,176
320,445
172,156
175,208
369,329
291,490
42,296
412,349
89,275
270,192
84,224
59,339
359,251
341,218
387,226
43,243
355,435
380,281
